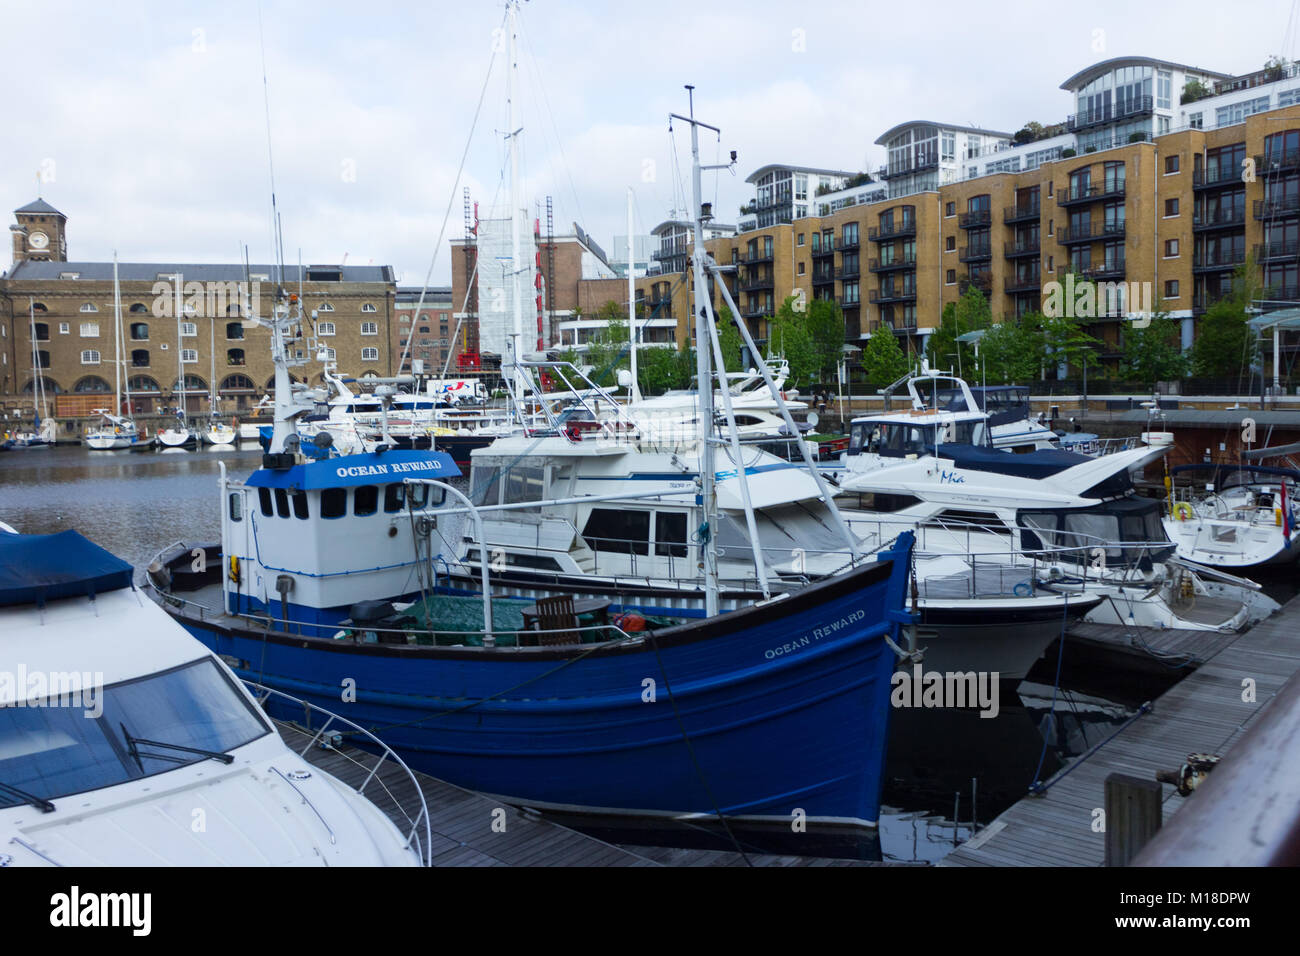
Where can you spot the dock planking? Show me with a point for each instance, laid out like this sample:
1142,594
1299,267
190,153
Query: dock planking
1202,713
461,822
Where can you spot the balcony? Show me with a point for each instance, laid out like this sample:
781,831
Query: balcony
751,283
656,304
1078,195
845,302
1225,175
757,311
886,296
896,170
827,248
848,272
1105,272
1028,212
975,219
670,252
1218,260
893,265
1221,218
849,243
1276,251
1017,250
983,282
885,233
1092,232
754,258
977,252
1110,113
1018,285
823,276
1276,208
898,326
1278,161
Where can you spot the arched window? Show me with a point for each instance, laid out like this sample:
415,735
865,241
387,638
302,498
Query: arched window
142,383
139,358
193,383
51,387
270,382
139,307
232,384
39,307
140,331
89,307
234,310
234,330
325,307
369,307
234,356
92,383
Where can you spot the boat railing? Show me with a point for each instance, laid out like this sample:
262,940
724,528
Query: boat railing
1212,505
418,829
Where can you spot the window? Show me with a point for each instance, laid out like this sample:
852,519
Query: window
325,328
951,278
800,239
619,531
1195,121
329,355
334,502
1171,164
670,534
1237,112
64,329
236,508
801,271
1051,263
325,307
264,497
234,356
140,331
189,356
1171,248
300,505
89,357
368,308
89,307
369,328
370,355
950,244
234,330
282,502
189,329
1171,207
365,500
90,330
394,498
1171,289
950,210
139,358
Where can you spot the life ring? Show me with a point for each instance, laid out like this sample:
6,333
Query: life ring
1184,511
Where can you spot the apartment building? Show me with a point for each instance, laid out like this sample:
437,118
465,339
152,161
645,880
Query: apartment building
58,317
1159,183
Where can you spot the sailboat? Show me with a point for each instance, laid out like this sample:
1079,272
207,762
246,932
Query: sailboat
178,435
44,428
115,429
216,431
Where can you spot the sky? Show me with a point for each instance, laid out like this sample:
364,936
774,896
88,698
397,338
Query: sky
151,126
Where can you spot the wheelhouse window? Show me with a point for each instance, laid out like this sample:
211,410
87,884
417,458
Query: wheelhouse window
264,499
333,502
365,500
618,531
670,534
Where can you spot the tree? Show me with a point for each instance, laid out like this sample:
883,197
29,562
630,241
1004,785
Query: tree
660,368
729,339
1225,345
824,321
1030,132
607,351
1153,353
883,362
969,313
1065,342
1194,90
1011,350
788,336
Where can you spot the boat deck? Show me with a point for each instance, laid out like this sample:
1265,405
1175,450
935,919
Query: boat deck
1203,713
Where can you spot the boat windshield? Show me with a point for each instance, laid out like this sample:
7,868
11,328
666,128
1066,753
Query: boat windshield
75,742
903,438
1127,529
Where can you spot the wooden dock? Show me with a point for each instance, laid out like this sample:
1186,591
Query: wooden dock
463,821
1202,713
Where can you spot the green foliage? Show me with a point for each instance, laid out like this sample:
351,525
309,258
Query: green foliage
1194,90
969,313
824,321
660,368
1011,350
1065,341
607,352
1224,345
788,336
729,339
1154,353
883,361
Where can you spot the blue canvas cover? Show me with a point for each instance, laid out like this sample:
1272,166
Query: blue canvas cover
1034,464
35,568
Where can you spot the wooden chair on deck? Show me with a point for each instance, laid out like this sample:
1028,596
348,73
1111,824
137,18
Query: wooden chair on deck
557,620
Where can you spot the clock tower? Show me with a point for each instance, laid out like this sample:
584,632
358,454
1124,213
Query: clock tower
40,234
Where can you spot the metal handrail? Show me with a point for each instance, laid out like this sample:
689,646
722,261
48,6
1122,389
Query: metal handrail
423,847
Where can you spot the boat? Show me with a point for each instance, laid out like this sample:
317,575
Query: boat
1242,517
1079,519
218,432
148,750
178,434
330,572
115,430
44,431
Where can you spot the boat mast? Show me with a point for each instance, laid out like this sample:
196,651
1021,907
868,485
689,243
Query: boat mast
38,393
634,393
180,351
516,263
117,341
703,375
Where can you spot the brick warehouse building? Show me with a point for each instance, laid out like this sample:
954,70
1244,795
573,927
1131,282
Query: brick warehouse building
72,306
1135,186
